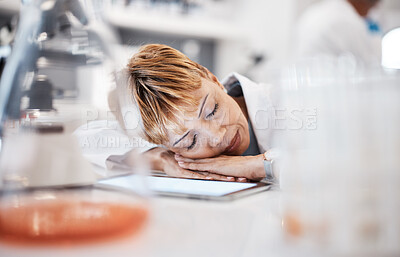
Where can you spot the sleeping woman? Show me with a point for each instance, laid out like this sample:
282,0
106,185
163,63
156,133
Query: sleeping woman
203,129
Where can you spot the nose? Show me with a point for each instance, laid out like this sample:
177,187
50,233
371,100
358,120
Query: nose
216,135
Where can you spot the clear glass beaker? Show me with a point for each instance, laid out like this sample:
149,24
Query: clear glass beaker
340,175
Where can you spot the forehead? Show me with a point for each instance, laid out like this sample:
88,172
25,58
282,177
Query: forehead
207,89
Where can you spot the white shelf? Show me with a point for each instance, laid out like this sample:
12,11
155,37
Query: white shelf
185,26
10,6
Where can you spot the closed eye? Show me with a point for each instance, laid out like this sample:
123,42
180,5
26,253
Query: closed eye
213,112
193,143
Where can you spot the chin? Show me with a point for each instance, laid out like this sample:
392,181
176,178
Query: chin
245,144
242,149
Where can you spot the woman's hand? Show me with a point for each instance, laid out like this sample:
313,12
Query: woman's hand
250,167
162,159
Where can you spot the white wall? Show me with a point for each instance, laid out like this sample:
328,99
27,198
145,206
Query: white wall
266,27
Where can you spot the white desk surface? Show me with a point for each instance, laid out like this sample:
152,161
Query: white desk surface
250,226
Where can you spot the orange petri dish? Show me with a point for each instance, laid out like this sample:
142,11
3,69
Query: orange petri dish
85,216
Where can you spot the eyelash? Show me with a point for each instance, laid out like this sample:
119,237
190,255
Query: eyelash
208,116
193,143
213,112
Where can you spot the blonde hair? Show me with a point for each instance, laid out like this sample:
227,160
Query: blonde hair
162,81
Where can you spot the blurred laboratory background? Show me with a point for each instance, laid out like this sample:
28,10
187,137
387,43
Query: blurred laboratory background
223,35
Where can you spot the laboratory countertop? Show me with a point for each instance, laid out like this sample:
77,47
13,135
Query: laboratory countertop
249,226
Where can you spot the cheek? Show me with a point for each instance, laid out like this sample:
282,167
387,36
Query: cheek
233,115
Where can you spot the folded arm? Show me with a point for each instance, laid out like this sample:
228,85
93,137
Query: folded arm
164,160
250,167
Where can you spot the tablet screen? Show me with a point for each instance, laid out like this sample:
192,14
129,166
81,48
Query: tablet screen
180,186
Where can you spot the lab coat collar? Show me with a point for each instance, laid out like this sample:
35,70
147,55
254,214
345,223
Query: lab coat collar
233,77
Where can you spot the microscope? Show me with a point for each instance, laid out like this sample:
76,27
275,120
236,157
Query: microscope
55,38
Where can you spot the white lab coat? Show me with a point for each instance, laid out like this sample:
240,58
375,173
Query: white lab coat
334,28
100,139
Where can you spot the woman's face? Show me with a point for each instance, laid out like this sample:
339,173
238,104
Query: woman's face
217,126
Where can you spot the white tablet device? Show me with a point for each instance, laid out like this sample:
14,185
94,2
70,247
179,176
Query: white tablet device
188,188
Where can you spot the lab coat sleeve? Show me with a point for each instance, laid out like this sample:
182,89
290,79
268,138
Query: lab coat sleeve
102,138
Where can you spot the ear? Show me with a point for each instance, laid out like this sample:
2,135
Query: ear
214,79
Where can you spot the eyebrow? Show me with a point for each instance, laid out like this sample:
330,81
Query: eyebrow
202,105
177,141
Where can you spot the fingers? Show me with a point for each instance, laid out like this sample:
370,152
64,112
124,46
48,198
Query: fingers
180,158
194,175
191,164
217,176
222,177
216,168
195,166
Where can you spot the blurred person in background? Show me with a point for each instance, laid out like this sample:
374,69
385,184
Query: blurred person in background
336,27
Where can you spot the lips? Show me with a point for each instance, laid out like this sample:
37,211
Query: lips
235,142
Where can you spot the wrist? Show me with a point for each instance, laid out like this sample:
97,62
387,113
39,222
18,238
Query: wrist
269,165
164,156
157,158
259,171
